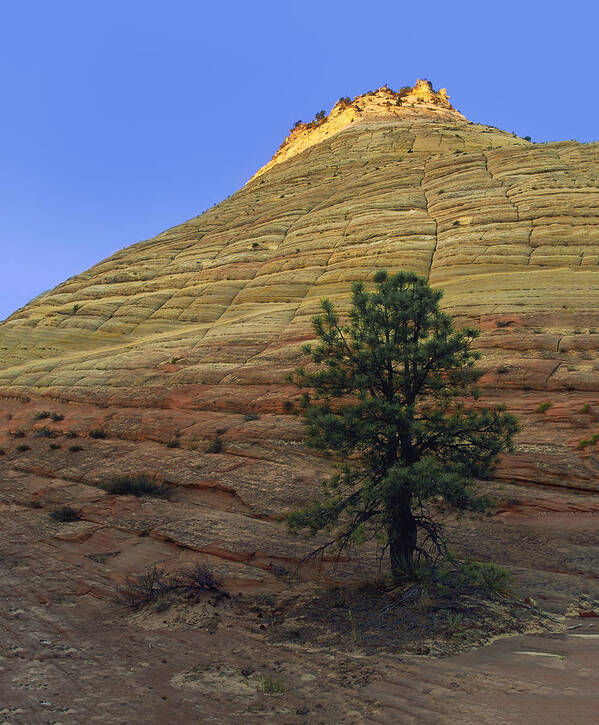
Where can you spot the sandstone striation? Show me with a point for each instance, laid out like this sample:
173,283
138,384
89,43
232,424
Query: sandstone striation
210,315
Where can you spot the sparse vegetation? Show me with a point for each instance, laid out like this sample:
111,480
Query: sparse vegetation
54,446
215,445
41,414
64,514
251,416
503,323
189,582
22,448
56,417
139,485
75,448
71,434
502,369
270,685
586,408
544,406
76,308
97,433
173,443
17,434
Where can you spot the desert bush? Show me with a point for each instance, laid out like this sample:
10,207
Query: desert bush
43,433
143,589
215,445
17,434
191,582
76,308
2,452
586,408
71,434
56,417
544,406
54,446
503,323
139,485
468,576
270,685
140,590
75,449
64,514
288,406
502,369
97,433
41,414
583,444
251,416
23,447
173,443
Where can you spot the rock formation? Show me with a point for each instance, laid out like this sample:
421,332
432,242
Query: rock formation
170,358
210,315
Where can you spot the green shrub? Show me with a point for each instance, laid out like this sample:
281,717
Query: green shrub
43,433
64,514
139,485
544,406
41,414
583,444
586,408
56,417
272,685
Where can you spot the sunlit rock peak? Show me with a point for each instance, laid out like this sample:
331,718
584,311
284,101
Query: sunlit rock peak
383,105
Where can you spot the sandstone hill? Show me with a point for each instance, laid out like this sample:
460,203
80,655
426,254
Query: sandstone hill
209,315
169,359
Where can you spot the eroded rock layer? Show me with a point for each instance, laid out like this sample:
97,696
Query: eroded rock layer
207,318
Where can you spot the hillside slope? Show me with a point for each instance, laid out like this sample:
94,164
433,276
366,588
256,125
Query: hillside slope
210,315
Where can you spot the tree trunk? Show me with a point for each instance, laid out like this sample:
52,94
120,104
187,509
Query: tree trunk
402,533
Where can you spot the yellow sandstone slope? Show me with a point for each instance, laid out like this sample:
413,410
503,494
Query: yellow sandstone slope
211,313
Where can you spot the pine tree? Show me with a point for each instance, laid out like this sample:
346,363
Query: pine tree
392,394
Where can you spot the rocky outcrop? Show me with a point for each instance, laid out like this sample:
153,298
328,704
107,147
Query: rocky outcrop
207,318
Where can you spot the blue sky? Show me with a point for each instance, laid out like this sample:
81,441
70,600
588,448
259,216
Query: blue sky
120,119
